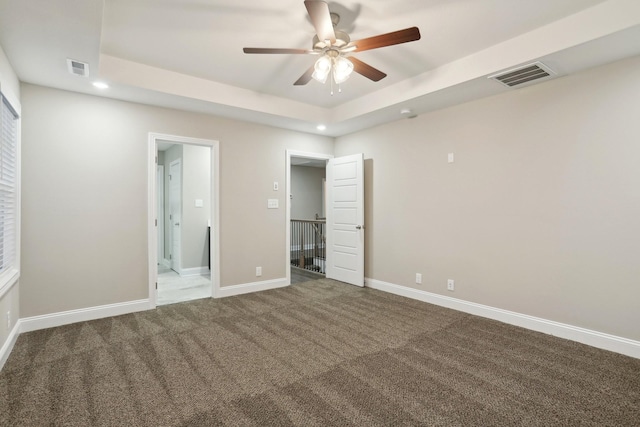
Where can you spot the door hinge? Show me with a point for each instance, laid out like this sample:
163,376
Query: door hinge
169,177
156,285
170,256
156,160
156,222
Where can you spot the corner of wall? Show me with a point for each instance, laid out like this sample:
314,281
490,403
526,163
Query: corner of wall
9,82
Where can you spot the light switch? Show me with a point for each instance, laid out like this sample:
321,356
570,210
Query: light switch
199,203
272,203
450,157
275,185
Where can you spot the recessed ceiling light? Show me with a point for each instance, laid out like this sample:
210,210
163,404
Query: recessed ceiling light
321,127
101,85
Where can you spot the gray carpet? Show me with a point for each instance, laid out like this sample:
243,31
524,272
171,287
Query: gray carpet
315,354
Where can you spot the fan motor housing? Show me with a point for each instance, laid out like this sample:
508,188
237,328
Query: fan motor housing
342,39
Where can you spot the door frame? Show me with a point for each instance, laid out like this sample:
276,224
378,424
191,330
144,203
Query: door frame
289,155
152,235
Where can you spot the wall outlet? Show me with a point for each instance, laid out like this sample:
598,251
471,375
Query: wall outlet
418,278
8,320
258,271
450,284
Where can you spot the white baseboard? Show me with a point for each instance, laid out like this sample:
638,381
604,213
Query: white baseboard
5,351
195,271
585,336
246,288
35,323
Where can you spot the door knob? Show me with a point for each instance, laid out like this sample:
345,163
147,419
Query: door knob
358,227
177,223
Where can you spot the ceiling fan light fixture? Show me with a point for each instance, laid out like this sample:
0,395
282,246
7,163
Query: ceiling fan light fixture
320,77
322,69
342,69
331,44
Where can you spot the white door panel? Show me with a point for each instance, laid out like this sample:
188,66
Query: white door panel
345,171
160,211
346,239
344,261
345,216
345,219
345,194
175,212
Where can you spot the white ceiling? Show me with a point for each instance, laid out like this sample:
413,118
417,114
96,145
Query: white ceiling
188,53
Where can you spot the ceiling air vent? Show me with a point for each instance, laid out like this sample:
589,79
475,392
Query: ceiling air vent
78,68
524,74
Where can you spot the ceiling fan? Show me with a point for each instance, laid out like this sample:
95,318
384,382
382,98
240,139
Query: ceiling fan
335,46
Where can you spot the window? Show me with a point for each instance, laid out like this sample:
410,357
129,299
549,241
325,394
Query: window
8,191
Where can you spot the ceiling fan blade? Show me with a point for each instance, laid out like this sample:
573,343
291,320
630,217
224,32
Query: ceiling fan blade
270,50
321,19
305,78
389,39
367,70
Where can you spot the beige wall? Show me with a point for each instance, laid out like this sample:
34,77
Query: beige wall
539,213
9,301
306,192
84,240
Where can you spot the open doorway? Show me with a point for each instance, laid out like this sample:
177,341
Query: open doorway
343,195
306,178
183,220
187,214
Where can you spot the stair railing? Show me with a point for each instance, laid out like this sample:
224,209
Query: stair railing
308,243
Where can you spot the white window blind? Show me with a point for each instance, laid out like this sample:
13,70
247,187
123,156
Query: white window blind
8,184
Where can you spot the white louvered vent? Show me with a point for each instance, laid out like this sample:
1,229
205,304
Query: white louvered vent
534,72
78,68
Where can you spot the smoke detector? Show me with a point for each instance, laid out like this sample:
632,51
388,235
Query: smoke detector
406,112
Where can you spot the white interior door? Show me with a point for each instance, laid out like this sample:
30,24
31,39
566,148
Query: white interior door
160,211
175,212
345,219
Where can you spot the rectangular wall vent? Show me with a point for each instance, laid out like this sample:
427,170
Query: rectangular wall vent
524,74
78,68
